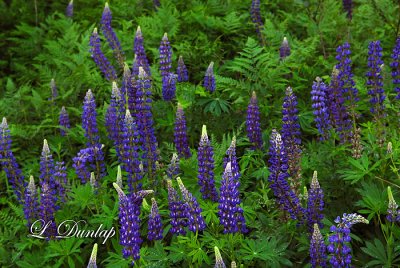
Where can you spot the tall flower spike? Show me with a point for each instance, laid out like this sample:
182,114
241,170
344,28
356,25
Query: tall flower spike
253,123
138,50
9,163
155,225
317,248
291,138
47,210
130,153
31,204
60,177
92,260
178,211
339,241
319,104
112,38
47,170
209,78
180,134
348,7
395,65
69,11
205,175
99,58
195,219
182,71
229,211
219,262
284,50
315,203
173,167
375,86
278,167
84,158
165,56
257,20
231,157
54,91
393,211
345,76
169,86
64,122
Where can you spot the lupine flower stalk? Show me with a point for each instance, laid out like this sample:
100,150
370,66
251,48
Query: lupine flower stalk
395,65
205,175
319,98
231,157
219,262
127,90
257,20
315,203
82,163
393,211
169,86
130,153
157,3
229,211
47,172
195,219
291,138
278,167
54,91
165,56
139,52
348,7
155,225
129,211
375,86
64,122
60,178
9,163
31,205
339,248
178,211
69,11
209,79
99,58
284,50
47,210
180,134
182,71
173,167
92,260
317,248
110,35
253,123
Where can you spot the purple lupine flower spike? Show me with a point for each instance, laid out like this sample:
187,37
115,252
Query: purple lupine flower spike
47,172
112,38
253,123
47,210
180,134
195,219
321,110
169,86
219,262
317,248
69,11
182,71
9,163
206,167
165,56
291,138
393,211
345,76
92,260
229,211
99,58
209,78
31,204
173,167
315,203
130,154
156,3
278,167
178,211
339,241
375,86
257,19
395,65
60,178
64,122
284,50
54,91
348,7
129,212
155,225
231,157
140,54
81,163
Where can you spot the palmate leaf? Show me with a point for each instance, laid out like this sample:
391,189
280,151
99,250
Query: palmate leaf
374,199
360,168
380,254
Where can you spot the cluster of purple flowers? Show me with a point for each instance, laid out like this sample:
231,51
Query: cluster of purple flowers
155,225
395,65
69,11
61,181
31,205
206,167
348,7
209,78
253,123
345,75
320,106
140,54
173,167
180,134
64,122
393,211
315,203
284,50
317,248
54,91
256,19
165,56
47,172
178,211
182,71
93,256
169,86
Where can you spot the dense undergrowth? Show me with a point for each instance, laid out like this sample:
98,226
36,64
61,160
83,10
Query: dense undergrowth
355,151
